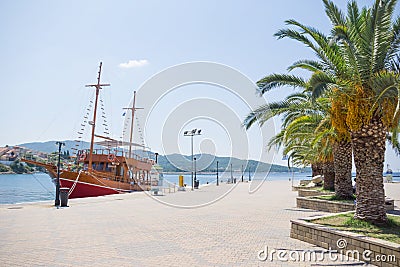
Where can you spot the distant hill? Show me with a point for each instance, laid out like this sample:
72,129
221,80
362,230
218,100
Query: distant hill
208,163
50,146
175,162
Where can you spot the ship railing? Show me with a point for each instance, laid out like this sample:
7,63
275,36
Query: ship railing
169,187
108,176
103,151
165,187
140,158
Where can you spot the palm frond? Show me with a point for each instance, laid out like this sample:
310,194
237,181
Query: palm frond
319,83
393,51
278,80
328,52
334,13
310,65
265,112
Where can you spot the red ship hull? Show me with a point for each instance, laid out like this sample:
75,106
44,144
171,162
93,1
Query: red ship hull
81,189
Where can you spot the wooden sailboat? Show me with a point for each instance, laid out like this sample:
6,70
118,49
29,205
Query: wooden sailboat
105,171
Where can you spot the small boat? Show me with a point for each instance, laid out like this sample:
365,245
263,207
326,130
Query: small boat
104,171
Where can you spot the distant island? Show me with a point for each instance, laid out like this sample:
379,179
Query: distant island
170,163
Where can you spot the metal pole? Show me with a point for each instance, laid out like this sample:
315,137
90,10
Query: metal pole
231,174
191,134
242,173
57,200
192,165
249,175
195,177
217,174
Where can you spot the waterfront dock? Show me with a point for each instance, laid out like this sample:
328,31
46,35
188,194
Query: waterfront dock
135,230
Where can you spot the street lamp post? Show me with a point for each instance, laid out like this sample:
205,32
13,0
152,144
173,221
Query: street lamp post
249,175
231,174
195,177
242,173
217,174
191,134
57,200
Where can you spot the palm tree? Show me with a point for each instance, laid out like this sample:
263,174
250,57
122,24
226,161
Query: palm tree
355,66
342,152
370,41
301,118
318,145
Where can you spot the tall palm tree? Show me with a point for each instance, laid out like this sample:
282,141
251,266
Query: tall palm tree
370,42
301,118
319,144
342,155
355,66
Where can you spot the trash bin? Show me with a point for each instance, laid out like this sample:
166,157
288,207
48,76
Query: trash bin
64,196
196,184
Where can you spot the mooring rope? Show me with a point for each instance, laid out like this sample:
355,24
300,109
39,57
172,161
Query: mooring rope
73,186
45,188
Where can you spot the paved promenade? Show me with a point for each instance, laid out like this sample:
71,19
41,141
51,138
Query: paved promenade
135,230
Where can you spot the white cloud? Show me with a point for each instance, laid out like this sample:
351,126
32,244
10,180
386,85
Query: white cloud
134,63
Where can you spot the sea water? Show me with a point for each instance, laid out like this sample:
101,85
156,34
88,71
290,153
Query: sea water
17,188
225,176
20,188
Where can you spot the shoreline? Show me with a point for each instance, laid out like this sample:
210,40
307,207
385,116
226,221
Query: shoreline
11,172
188,190
19,198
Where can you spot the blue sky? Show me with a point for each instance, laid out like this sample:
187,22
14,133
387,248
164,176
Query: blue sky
51,49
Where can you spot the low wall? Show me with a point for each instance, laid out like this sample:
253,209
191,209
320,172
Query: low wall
345,243
311,193
323,205
297,188
332,206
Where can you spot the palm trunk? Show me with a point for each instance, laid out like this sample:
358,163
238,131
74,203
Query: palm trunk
342,155
369,154
317,168
329,175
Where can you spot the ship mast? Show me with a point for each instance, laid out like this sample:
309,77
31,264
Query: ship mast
98,86
133,108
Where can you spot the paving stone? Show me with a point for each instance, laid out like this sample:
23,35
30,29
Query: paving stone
136,230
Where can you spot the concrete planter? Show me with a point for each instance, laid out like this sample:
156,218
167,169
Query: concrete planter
297,188
330,238
332,206
311,193
323,205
